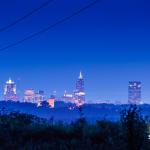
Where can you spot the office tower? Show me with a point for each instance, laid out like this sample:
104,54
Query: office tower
10,91
40,97
29,96
79,94
134,92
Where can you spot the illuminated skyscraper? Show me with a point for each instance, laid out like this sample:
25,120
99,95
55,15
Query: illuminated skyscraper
134,92
79,92
10,91
40,97
29,96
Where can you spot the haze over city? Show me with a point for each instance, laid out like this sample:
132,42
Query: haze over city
109,42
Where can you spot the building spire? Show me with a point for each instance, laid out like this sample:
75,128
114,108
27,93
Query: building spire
9,81
80,75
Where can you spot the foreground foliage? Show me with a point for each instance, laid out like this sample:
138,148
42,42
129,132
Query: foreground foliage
28,132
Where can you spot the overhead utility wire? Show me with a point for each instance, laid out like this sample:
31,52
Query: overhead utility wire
51,26
25,16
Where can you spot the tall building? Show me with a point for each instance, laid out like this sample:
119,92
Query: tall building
79,93
10,91
40,97
29,96
134,92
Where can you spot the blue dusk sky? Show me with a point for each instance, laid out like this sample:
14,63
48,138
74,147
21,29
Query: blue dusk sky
109,42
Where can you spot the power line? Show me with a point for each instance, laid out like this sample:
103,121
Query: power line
25,16
51,26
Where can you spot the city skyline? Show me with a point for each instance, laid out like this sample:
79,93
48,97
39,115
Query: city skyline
135,93
75,74
109,42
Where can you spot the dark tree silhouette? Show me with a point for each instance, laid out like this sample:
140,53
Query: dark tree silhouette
23,131
134,128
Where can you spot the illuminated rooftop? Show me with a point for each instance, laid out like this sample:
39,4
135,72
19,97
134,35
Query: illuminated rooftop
10,81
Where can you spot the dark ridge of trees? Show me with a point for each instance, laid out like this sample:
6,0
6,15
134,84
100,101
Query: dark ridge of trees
20,131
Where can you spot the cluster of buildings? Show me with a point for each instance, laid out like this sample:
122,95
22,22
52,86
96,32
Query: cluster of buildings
40,98
76,97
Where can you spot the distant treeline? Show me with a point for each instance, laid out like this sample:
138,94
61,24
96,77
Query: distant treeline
67,112
20,131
